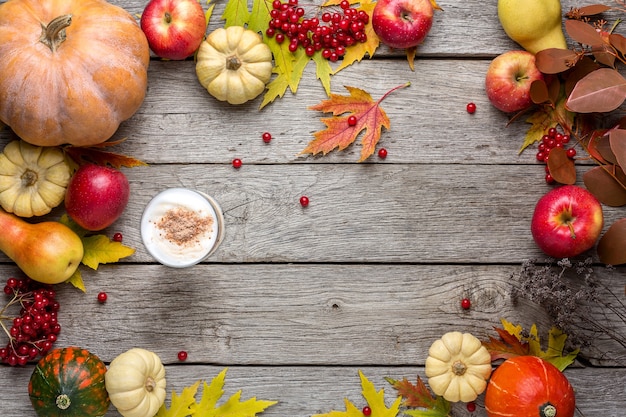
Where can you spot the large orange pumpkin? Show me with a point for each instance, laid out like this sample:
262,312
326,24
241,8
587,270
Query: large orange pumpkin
528,386
70,70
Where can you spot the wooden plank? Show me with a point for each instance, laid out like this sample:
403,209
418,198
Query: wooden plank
358,213
305,391
303,314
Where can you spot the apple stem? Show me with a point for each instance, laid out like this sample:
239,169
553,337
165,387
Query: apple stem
571,229
53,34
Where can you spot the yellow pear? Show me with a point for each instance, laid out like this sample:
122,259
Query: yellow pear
47,252
534,24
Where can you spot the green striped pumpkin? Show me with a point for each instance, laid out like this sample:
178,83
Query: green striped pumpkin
69,382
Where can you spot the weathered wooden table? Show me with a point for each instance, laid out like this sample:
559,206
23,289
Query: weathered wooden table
296,300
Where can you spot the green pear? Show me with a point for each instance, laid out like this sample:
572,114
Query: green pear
47,252
534,24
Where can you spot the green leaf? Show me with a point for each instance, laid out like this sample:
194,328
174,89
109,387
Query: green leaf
236,13
99,249
323,71
260,16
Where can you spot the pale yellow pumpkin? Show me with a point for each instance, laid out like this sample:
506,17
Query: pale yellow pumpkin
33,179
234,64
135,382
458,367
70,70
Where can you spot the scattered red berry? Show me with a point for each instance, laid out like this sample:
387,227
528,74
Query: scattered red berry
367,411
471,108
102,297
237,163
117,237
382,153
304,201
352,120
267,137
182,355
471,406
466,303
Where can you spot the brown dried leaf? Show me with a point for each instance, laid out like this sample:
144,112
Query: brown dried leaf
583,33
605,58
593,9
599,147
583,67
612,245
555,60
618,42
617,140
607,188
539,92
600,91
561,167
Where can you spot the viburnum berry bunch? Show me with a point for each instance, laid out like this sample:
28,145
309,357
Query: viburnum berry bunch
553,139
330,32
35,330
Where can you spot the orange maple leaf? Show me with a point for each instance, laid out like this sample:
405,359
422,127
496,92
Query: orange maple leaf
370,118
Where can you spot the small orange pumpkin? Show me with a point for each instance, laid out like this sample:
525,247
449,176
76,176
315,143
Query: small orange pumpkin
70,70
528,386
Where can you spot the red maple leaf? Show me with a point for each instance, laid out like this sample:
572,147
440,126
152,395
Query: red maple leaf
507,346
370,119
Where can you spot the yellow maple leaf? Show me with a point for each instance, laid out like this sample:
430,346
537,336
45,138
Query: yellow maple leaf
554,352
99,249
356,52
375,401
186,404
77,281
181,406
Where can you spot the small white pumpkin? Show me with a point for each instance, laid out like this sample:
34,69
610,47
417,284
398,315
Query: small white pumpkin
135,382
33,179
458,367
234,64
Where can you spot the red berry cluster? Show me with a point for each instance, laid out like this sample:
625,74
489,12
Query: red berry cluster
553,139
34,332
331,33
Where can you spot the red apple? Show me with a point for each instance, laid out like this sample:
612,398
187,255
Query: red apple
96,196
174,28
567,221
402,24
508,80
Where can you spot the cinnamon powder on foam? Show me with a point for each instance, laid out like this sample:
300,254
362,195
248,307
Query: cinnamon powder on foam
183,227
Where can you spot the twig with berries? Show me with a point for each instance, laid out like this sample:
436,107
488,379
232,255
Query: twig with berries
34,331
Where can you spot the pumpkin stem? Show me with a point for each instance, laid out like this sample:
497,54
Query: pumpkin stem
459,368
547,410
233,63
63,401
53,34
150,384
29,178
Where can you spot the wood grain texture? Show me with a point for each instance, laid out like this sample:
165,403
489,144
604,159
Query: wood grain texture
305,391
296,300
